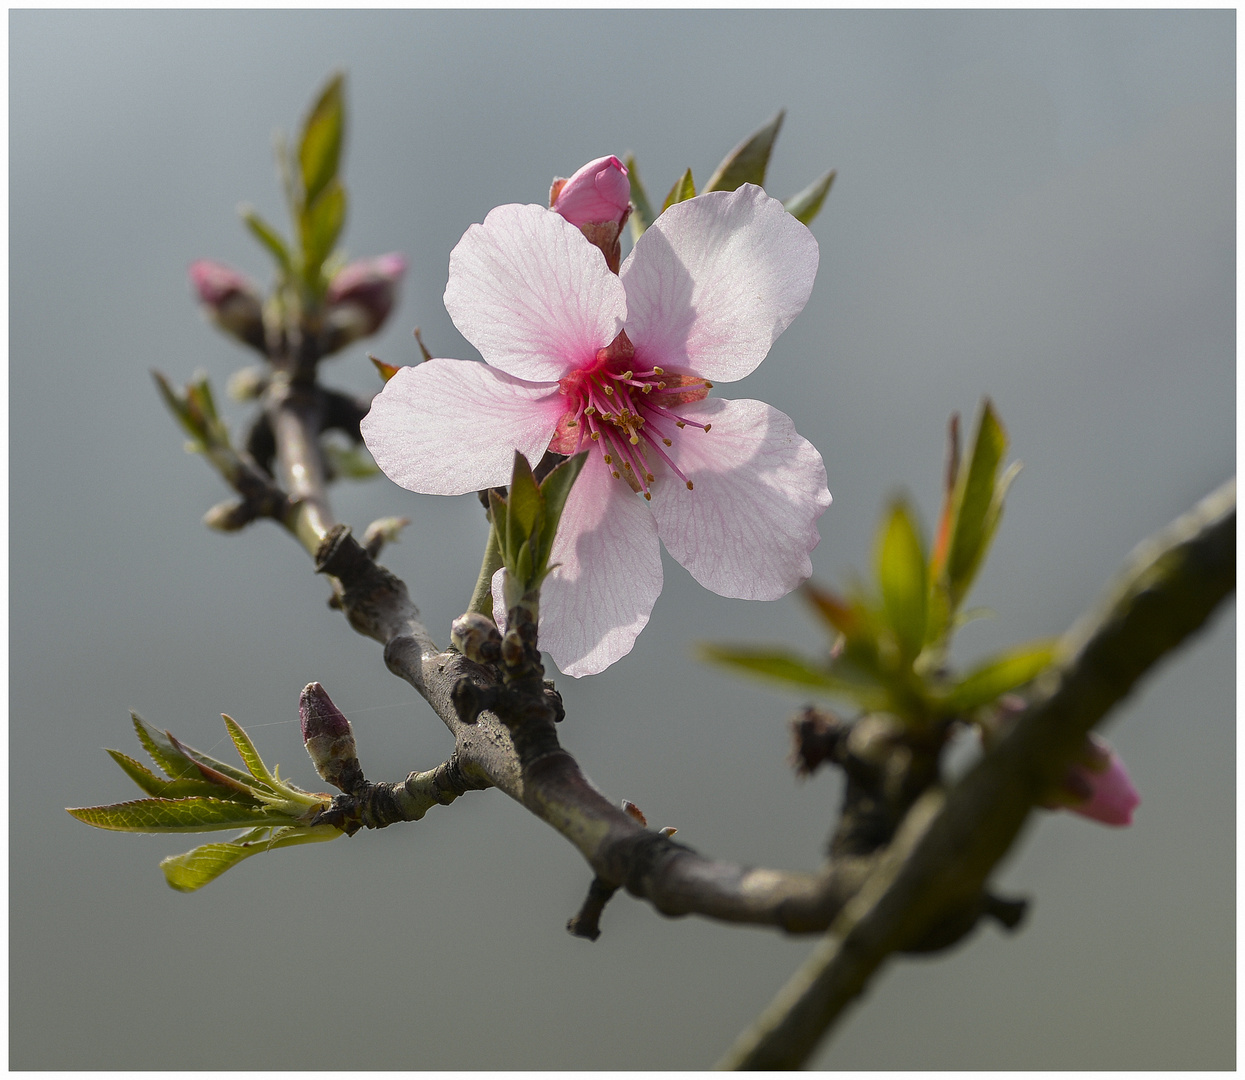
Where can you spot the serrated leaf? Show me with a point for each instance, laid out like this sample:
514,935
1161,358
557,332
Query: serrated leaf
999,675
684,189
176,815
319,150
196,868
806,205
165,755
971,517
746,164
247,752
555,488
158,786
270,238
219,772
641,210
901,571
320,224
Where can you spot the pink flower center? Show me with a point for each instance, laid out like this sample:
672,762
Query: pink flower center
627,412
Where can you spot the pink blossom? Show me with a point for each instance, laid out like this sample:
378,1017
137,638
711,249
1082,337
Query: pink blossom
622,365
597,193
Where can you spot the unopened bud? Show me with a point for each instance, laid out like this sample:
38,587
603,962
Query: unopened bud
1099,787
247,384
597,200
634,811
360,298
229,516
476,636
329,740
230,300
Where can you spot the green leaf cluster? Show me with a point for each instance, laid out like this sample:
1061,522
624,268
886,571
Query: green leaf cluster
195,409
891,639
198,793
746,164
316,198
526,519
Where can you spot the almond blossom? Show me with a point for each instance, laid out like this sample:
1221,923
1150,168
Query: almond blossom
578,357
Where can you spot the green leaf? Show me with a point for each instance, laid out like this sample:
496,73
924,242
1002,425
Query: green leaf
176,815
773,664
642,211
220,773
158,786
746,164
901,570
166,756
319,151
320,224
270,238
525,509
196,868
974,514
807,204
555,488
684,189
499,513
350,462
247,752
999,675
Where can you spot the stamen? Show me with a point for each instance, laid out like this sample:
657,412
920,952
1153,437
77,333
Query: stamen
648,387
608,460
658,371
609,390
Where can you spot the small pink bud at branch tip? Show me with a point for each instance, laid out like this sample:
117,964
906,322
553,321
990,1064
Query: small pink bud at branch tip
597,193
329,739
1098,786
597,200
360,298
230,300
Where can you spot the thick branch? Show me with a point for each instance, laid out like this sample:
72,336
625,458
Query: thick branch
951,841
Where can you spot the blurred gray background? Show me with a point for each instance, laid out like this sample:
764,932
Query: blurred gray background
1034,206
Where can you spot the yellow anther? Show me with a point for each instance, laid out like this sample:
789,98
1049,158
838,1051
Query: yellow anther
647,495
667,442
628,374
658,371
609,389
608,460
627,465
648,388
708,426
634,439
689,485
595,436
679,424
615,474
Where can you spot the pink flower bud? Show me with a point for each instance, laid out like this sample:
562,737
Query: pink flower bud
360,298
596,200
1097,786
329,740
598,193
230,300
1112,798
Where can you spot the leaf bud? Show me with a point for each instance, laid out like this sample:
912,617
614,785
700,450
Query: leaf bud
329,739
230,300
359,299
476,636
229,516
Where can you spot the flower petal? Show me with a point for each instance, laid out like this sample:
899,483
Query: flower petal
532,294
714,281
594,605
446,427
747,527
